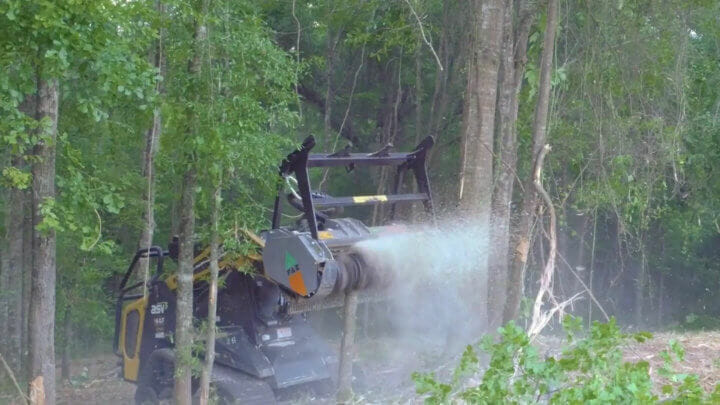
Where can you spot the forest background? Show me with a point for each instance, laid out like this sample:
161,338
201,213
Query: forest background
123,122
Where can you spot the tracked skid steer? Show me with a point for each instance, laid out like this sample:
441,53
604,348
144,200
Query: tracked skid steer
264,343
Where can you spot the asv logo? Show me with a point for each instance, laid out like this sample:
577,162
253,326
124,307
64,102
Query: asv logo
159,308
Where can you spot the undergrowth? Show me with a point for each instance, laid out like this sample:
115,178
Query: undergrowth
589,369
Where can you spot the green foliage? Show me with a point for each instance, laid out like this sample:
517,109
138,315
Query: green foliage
12,177
590,369
696,322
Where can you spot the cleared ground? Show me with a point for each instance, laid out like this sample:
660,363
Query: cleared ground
386,378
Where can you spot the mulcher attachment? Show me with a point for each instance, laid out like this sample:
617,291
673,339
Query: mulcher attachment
317,263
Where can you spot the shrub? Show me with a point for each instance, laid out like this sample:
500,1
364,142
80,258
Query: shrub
588,370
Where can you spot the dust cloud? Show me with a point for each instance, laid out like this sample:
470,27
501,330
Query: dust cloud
439,276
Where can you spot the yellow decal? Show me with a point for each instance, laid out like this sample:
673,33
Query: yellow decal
325,235
360,199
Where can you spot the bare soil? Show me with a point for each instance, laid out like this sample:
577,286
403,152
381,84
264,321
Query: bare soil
96,380
385,379
702,355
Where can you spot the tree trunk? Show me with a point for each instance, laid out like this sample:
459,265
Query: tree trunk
27,282
512,70
413,210
640,283
212,297
347,348
440,88
67,338
479,128
332,41
42,304
184,314
12,274
521,242
152,138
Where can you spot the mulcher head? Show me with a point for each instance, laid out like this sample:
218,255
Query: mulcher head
316,260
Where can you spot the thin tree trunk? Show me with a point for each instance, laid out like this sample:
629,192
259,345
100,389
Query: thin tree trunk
661,302
332,41
389,120
591,271
419,129
12,274
152,138
27,282
413,210
521,242
184,314
479,128
541,318
42,304
347,348
440,75
67,338
580,266
212,297
640,284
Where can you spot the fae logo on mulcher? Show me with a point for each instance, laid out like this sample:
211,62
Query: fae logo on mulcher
291,265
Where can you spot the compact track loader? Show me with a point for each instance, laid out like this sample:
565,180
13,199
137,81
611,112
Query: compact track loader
264,342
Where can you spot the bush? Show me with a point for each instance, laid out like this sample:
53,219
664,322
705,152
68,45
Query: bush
588,370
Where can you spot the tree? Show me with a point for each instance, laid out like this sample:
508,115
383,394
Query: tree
521,241
184,315
152,141
478,130
517,21
50,50
42,304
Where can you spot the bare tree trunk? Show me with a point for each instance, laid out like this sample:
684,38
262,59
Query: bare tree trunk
440,88
661,302
332,41
389,118
413,210
184,315
580,266
42,304
347,348
521,240
212,297
12,273
640,284
67,338
27,282
539,317
515,39
479,127
152,138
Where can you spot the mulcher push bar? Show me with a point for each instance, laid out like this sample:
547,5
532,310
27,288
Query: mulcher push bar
298,162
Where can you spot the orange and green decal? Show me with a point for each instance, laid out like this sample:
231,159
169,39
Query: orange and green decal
295,279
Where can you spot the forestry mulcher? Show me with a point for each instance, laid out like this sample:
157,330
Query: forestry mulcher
264,341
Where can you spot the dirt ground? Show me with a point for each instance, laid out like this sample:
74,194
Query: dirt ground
386,379
702,355
96,381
